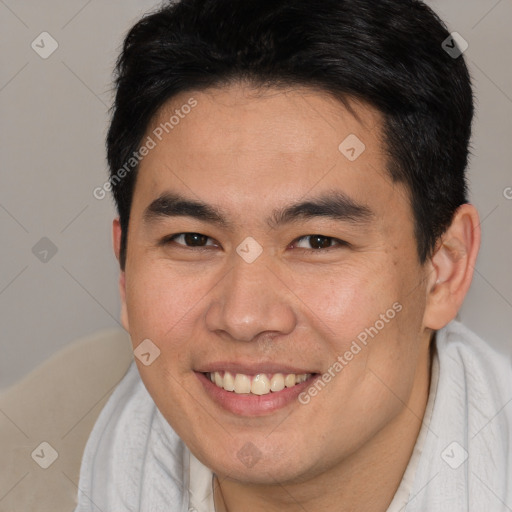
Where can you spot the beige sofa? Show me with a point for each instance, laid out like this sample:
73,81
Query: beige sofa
57,405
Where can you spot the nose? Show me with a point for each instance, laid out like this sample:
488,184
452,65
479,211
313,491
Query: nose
251,301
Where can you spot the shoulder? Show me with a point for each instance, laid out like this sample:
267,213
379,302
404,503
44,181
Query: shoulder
480,363
475,383
57,404
132,455
465,460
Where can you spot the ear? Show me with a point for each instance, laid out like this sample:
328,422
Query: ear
451,268
116,237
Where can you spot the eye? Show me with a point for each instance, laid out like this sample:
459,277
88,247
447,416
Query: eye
188,240
318,242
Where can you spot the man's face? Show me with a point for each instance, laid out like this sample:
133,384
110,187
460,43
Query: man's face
211,302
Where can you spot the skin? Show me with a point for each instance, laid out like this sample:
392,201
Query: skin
248,152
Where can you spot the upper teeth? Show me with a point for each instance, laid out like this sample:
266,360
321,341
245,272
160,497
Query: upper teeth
259,384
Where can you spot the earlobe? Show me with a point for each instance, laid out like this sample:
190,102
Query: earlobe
122,294
452,267
116,238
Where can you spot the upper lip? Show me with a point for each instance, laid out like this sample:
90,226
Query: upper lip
252,369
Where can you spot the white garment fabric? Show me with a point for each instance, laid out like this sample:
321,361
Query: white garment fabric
462,461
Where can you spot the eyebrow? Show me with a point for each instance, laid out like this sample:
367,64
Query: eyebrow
334,205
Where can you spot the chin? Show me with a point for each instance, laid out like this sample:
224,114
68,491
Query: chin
267,466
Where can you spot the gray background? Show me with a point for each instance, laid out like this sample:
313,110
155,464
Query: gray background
52,127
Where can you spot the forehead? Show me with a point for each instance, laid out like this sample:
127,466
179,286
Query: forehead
251,146
239,118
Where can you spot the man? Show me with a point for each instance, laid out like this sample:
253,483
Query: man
295,241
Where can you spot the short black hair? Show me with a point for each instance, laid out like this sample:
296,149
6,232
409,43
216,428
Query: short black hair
386,53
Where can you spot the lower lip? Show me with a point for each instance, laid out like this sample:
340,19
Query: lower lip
253,405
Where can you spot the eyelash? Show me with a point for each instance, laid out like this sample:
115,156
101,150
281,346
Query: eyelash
339,243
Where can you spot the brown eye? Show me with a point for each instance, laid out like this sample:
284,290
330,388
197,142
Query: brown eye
189,239
317,242
195,239
320,242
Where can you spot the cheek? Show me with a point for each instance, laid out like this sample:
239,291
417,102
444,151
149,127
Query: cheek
372,319
393,338
343,302
162,301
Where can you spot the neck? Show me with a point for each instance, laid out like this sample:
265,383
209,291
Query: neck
367,480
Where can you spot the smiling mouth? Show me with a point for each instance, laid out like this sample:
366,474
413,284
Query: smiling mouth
259,384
